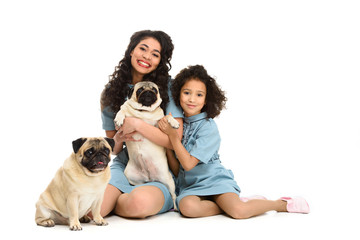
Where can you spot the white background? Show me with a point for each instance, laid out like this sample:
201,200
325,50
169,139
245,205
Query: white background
291,73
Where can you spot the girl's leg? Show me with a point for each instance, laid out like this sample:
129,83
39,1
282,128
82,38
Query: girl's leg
141,202
234,207
195,206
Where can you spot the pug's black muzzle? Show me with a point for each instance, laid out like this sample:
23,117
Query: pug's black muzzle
97,163
147,98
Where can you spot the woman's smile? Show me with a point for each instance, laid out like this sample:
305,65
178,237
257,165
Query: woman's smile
143,63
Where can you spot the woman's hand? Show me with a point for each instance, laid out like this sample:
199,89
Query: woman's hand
120,137
127,130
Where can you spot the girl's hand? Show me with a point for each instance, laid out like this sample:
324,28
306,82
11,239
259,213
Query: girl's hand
165,127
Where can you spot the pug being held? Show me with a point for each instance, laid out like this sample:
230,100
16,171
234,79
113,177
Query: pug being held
147,160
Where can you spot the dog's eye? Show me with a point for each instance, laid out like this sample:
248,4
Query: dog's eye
106,150
155,90
139,91
89,152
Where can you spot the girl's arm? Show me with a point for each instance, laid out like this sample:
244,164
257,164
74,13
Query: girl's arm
174,164
154,134
187,161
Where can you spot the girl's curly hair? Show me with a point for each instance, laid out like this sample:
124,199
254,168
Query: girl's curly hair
215,98
116,90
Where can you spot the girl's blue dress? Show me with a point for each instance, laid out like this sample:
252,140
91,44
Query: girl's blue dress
209,177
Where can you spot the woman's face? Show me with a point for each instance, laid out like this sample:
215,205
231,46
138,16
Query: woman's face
145,57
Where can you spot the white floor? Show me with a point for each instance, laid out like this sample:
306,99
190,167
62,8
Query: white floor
171,225
321,223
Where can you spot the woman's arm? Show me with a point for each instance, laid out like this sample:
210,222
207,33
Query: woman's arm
187,161
154,134
118,142
119,139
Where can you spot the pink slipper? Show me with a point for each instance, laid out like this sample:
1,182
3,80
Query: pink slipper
245,199
296,205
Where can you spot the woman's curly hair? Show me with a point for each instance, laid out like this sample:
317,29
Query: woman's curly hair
116,90
215,98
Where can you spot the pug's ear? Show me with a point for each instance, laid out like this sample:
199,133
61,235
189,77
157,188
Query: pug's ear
78,143
130,93
111,143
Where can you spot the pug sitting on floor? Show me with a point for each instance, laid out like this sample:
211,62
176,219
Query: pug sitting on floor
78,186
147,160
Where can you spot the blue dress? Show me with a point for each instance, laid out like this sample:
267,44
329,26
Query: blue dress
118,178
209,177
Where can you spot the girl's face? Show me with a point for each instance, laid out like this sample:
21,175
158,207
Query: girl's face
145,57
192,97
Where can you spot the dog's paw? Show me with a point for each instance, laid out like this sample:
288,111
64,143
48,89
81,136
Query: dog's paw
119,119
46,223
75,226
100,222
118,123
173,123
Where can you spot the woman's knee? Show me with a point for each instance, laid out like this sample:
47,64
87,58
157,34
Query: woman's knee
140,203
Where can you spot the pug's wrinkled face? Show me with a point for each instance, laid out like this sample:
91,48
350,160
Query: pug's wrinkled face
93,153
145,93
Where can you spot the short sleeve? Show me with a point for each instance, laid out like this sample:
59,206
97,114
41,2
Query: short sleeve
207,142
107,117
175,111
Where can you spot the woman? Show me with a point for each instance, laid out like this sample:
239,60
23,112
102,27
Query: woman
147,58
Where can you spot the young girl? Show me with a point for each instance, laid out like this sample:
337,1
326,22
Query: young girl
206,188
